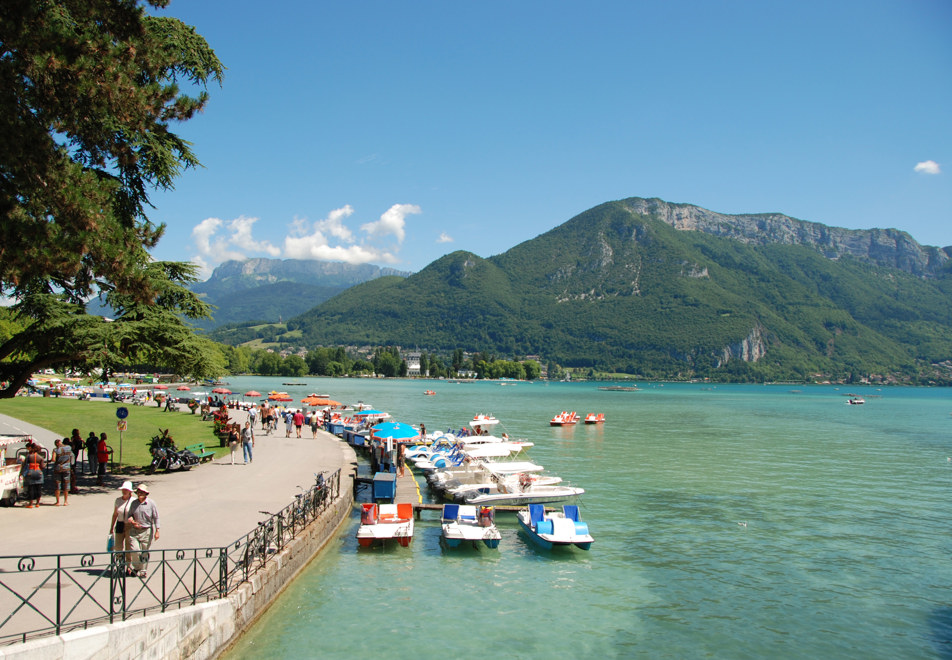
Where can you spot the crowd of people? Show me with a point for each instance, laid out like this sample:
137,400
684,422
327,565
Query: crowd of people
65,461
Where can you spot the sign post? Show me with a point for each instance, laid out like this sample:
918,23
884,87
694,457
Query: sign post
121,412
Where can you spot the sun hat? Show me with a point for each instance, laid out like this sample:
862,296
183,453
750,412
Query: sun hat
126,485
143,488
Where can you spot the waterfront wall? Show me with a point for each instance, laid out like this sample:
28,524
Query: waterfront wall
197,632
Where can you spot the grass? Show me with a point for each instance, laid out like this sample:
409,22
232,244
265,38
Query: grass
62,415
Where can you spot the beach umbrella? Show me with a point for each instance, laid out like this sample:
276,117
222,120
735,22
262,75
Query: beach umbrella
395,430
160,387
253,393
314,400
183,388
221,390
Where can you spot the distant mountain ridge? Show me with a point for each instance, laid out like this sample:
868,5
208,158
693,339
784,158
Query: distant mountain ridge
275,290
649,287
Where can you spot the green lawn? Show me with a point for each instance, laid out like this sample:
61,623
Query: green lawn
63,415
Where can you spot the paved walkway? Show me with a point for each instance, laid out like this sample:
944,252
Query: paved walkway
212,504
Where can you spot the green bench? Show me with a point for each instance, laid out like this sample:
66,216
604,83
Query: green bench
200,451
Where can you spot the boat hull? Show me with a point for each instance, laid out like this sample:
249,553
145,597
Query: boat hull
559,532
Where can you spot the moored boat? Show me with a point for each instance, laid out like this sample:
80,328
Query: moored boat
555,528
464,522
380,523
592,418
507,493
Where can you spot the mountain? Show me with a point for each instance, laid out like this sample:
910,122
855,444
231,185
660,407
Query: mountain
648,287
273,290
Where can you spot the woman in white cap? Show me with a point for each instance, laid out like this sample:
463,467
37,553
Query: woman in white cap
144,522
118,527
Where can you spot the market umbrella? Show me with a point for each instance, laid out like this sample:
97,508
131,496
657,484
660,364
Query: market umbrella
314,400
221,390
183,388
396,430
160,387
252,393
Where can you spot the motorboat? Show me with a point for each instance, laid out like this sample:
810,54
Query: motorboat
380,523
564,419
493,484
592,418
507,493
555,528
855,401
464,522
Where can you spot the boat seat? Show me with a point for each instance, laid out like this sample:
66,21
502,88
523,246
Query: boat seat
405,511
536,513
450,511
570,511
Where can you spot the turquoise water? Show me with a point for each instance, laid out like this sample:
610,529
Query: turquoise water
844,550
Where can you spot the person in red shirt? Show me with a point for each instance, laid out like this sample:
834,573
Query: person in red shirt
298,422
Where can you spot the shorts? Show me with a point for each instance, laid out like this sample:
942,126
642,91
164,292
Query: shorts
61,480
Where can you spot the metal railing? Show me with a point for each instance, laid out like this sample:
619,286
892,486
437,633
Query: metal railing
45,595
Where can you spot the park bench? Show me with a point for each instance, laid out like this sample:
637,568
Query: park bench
200,451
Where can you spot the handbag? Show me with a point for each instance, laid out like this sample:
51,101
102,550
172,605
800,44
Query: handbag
110,543
120,526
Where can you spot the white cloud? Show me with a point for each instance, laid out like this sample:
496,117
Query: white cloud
392,221
329,239
444,238
928,167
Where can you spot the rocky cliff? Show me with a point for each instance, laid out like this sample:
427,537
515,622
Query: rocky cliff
882,247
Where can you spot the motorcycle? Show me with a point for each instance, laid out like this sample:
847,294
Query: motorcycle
165,456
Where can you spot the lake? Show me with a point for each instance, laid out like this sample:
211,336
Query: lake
729,521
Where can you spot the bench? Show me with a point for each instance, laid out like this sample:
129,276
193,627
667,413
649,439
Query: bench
200,451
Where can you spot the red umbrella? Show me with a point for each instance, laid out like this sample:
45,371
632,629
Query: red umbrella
221,390
183,388
253,393
160,387
315,400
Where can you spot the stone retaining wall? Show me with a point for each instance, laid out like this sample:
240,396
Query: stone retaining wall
196,632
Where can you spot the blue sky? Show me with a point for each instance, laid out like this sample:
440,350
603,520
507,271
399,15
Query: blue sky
395,132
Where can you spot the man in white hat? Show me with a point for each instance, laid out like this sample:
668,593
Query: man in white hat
143,522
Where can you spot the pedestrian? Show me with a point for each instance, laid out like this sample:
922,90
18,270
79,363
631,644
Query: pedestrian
288,423
102,457
76,442
92,445
401,460
168,403
315,422
252,415
119,529
248,442
298,419
32,470
143,523
422,431
233,439
62,464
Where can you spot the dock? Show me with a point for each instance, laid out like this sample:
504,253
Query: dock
408,491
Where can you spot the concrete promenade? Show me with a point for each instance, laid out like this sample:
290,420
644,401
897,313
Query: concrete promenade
211,504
